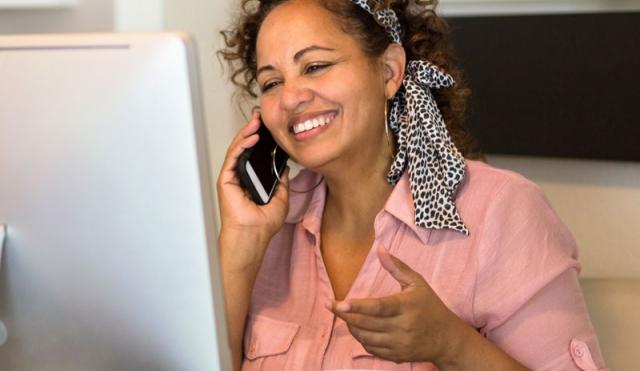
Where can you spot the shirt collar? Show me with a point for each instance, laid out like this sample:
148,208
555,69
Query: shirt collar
400,205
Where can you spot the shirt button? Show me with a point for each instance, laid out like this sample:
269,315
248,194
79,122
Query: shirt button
578,351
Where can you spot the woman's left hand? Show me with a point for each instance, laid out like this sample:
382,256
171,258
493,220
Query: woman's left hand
413,325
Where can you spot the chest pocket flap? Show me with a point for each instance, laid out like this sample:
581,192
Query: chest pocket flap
268,337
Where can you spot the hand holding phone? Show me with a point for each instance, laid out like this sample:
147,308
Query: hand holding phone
259,167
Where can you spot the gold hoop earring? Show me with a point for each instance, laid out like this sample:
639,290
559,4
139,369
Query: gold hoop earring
273,162
386,129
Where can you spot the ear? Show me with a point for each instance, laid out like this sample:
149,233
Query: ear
394,60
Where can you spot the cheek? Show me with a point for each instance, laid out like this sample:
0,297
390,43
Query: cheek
275,120
357,88
269,113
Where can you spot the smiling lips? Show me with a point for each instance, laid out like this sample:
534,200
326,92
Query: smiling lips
313,123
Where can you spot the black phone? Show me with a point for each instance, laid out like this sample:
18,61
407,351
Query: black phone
259,167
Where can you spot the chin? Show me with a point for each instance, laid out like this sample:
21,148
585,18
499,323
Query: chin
312,162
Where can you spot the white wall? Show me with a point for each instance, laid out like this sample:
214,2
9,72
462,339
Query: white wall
85,16
138,15
204,19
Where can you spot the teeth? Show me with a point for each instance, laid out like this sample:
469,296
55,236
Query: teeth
313,123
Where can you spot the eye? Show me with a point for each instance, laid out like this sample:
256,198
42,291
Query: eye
269,85
315,67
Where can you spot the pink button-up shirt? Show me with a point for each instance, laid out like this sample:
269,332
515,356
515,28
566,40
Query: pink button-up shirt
515,279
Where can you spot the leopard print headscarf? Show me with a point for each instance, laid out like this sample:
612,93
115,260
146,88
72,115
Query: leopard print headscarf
435,165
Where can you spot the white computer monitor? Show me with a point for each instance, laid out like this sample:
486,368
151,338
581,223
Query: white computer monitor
109,261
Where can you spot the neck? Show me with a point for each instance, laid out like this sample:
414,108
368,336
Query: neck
357,194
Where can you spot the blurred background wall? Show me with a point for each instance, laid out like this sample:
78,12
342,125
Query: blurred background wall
86,15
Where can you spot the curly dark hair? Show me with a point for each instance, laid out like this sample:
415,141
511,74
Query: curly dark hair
425,37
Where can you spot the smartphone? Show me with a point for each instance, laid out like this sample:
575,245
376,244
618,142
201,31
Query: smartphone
259,167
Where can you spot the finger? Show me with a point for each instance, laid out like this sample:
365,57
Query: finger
388,306
228,174
372,338
284,177
381,352
398,269
248,129
366,322
236,150
282,190
343,310
390,354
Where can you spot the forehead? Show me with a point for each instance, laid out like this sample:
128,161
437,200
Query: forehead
297,24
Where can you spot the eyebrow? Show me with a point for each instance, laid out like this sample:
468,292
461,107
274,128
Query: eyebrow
296,57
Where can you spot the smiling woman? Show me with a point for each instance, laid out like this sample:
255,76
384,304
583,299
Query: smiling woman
425,38
407,254
309,69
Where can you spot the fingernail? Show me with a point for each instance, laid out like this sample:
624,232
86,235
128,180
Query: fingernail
343,306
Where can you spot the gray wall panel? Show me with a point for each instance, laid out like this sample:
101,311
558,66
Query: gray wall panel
561,85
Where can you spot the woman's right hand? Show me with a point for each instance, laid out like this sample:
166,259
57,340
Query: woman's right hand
240,216
246,231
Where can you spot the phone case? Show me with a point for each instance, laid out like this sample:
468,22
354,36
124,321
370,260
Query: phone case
264,156
245,180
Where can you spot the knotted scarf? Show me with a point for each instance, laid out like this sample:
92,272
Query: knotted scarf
424,148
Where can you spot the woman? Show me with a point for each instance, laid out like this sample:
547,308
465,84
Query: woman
391,251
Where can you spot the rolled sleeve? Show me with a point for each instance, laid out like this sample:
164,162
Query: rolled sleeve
528,299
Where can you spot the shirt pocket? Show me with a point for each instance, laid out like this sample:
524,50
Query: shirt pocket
266,342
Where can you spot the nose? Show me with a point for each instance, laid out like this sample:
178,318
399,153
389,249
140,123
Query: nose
295,96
